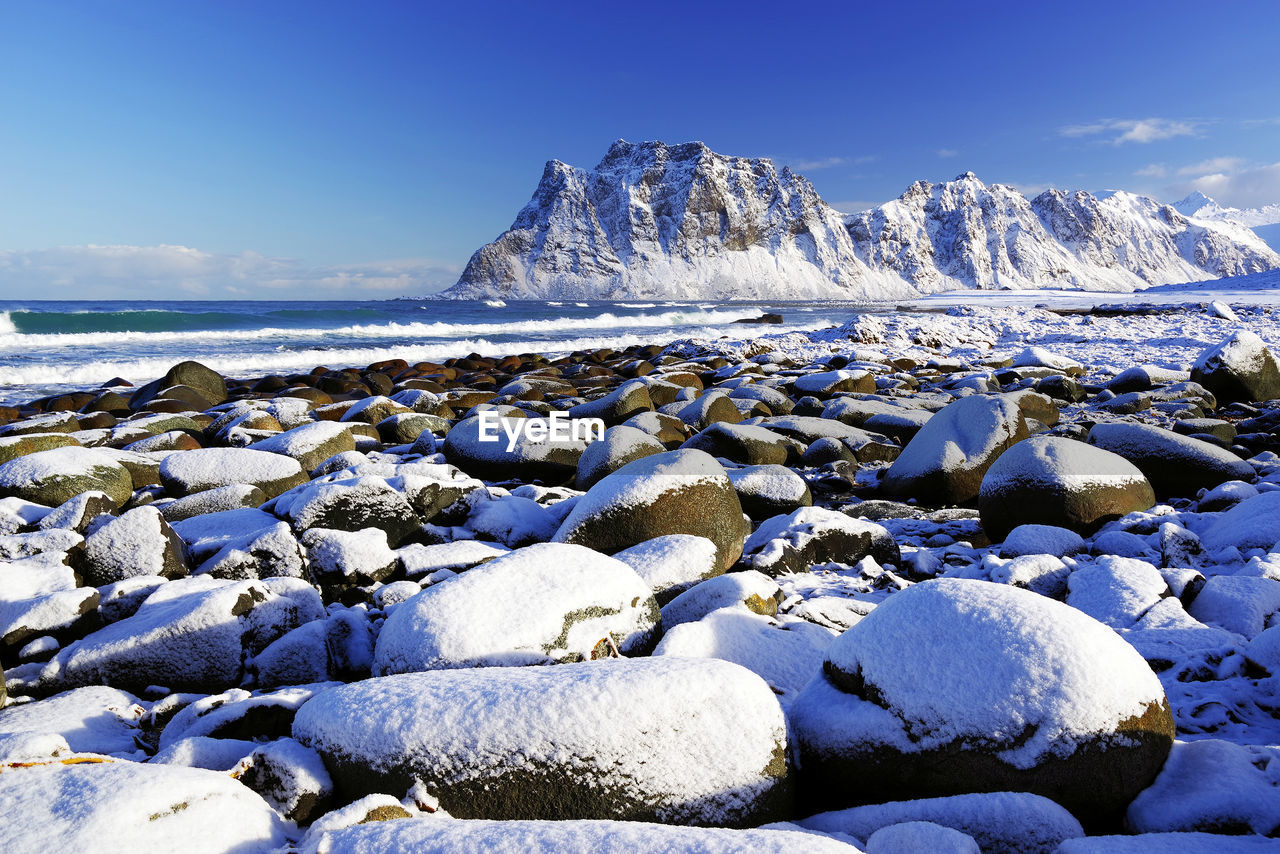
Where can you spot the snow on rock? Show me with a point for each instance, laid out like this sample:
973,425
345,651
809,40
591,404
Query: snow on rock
425,561
447,836
290,777
350,504
1039,573
672,563
55,476
139,542
1116,590
485,449
1000,822
209,468
1048,480
693,741
348,557
127,806
1238,368
1212,786
1174,464
675,492
913,836
76,513
768,490
620,445
750,590
810,535
201,751
945,462
784,654
230,497
93,719
1253,523
511,520
1018,691
1041,540
1241,604
189,634
743,443
538,605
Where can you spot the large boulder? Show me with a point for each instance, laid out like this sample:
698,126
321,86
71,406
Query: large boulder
1176,465
496,447
1048,480
945,462
675,492
96,805
55,476
310,444
350,504
784,545
619,445
189,472
139,542
743,443
1000,689
688,741
1238,368
545,603
207,382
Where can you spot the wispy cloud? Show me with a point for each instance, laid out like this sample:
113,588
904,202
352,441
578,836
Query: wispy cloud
948,152
1248,187
1214,164
815,165
1260,123
140,272
1121,131
1153,170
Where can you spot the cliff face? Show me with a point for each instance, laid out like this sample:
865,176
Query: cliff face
682,222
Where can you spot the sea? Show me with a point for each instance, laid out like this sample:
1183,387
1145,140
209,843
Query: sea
47,347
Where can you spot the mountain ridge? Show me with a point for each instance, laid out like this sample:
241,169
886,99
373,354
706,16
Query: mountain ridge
681,221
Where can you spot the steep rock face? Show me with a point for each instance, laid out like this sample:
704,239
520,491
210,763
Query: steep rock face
964,234
673,221
682,222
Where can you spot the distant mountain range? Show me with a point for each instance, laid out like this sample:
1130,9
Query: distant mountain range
683,222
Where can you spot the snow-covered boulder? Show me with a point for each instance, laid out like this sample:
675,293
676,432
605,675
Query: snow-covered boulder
1000,822
945,462
129,806
139,542
57,475
1213,786
93,719
190,634
743,443
1034,539
186,472
790,544
673,563
627,400
556,837
1175,465
1238,368
231,497
675,492
998,689
1048,480
77,512
483,448
785,654
619,445
768,490
909,837
690,741
350,504
545,603
1116,590
1254,523
1238,603
309,444
749,590
348,557
290,777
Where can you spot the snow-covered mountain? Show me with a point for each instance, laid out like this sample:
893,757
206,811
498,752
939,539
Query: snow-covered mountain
683,222
1264,221
676,221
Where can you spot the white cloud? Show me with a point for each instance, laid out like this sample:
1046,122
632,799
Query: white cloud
1214,164
815,165
1251,187
1153,170
948,152
150,272
1134,130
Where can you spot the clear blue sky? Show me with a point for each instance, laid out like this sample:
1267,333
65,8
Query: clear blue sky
347,150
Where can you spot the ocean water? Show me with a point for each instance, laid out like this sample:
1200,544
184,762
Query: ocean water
48,347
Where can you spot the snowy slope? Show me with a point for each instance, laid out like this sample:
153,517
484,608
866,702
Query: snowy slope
1265,221
676,221
682,222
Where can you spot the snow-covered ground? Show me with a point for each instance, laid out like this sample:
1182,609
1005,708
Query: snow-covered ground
1008,579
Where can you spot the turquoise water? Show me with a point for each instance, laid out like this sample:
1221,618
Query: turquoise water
47,346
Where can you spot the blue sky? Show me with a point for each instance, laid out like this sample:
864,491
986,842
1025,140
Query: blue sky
348,150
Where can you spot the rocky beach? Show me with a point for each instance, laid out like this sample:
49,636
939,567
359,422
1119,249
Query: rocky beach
998,579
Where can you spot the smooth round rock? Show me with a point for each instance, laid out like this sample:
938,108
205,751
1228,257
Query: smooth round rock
188,472
55,476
